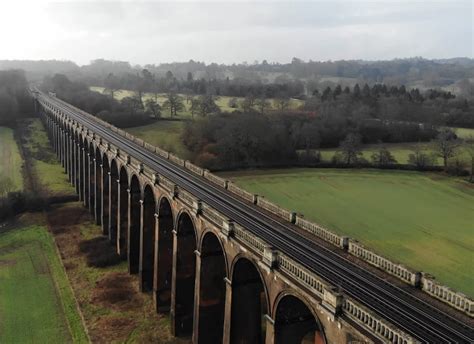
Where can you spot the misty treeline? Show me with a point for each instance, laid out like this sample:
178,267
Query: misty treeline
15,100
434,73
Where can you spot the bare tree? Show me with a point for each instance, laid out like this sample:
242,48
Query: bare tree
248,103
262,104
446,145
111,84
421,159
383,157
153,107
351,148
174,103
282,103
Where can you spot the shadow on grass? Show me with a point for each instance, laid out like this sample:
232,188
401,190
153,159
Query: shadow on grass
99,252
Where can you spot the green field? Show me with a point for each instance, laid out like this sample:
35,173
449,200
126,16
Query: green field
10,159
425,221
464,133
49,172
36,301
165,134
221,101
400,151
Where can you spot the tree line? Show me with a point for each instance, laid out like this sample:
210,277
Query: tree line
15,101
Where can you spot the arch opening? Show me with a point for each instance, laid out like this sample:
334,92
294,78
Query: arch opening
295,323
113,202
249,304
123,213
86,172
77,173
148,239
185,276
105,195
133,250
92,178
81,168
164,264
98,187
212,291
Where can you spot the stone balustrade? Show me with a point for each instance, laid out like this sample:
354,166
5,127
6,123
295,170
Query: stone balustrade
215,179
382,328
248,196
193,168
275,209
397,270
455,299
321,232
176,159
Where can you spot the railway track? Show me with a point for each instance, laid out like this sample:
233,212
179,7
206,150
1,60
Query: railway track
404,310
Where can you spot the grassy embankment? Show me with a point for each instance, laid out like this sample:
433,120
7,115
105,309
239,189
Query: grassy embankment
48,172
424,221
10,159
36,301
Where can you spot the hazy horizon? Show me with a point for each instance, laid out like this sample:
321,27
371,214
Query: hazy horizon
233,32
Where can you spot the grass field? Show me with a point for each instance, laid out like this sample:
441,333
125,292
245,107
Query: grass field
464,133
425,221
10,159
36,301
165,134
48,170
222,101
400,151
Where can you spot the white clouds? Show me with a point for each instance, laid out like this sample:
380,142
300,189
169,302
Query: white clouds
158,31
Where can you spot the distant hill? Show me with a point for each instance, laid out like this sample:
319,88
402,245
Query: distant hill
412,72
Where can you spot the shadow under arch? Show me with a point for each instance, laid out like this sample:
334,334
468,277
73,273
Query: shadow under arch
122,223
295,323
148,239
133,249
98,186
212,291
105,194
184,270
164,257
113,201
85,172
249,303
92,179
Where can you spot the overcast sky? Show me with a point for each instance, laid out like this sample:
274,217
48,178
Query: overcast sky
237,31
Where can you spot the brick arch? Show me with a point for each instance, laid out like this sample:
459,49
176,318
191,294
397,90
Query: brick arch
133,243
298,324
113,200
247,315
147,237
184,274
221,243
164,254
180,213
210,296
123,211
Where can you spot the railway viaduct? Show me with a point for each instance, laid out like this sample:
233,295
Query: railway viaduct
224,269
